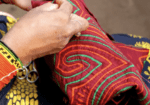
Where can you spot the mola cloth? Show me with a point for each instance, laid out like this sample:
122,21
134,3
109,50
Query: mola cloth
94,70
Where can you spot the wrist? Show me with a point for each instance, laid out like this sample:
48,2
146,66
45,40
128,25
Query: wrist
16,48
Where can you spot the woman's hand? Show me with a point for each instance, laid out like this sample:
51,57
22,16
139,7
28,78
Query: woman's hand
44,30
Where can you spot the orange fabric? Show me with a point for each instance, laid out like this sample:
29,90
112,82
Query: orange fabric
5,69
9,63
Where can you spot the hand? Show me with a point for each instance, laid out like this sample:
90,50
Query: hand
44,30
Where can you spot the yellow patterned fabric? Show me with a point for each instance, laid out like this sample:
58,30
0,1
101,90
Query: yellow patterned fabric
22,93
11,22
142,44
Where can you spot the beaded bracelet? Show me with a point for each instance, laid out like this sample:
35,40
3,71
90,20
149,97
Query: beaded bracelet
10,56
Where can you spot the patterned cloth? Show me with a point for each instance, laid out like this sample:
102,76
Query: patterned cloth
137,41
90,70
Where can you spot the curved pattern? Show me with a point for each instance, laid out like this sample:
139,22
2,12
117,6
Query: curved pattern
136,60
91,66
118,84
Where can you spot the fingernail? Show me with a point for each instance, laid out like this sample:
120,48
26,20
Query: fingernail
78,34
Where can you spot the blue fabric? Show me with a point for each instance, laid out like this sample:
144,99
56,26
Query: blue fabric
3,93
129,39
3,21
145,77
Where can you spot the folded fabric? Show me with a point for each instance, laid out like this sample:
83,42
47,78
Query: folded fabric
137,41
91,70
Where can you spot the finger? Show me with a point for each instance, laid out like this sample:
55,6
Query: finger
77,24
65,6
23,4
48,7
78,34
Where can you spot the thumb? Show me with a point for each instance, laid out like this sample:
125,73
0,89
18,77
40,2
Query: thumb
77,24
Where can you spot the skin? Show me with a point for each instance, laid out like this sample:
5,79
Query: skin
44,30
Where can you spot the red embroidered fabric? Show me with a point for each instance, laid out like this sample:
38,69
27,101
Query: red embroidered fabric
92,70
